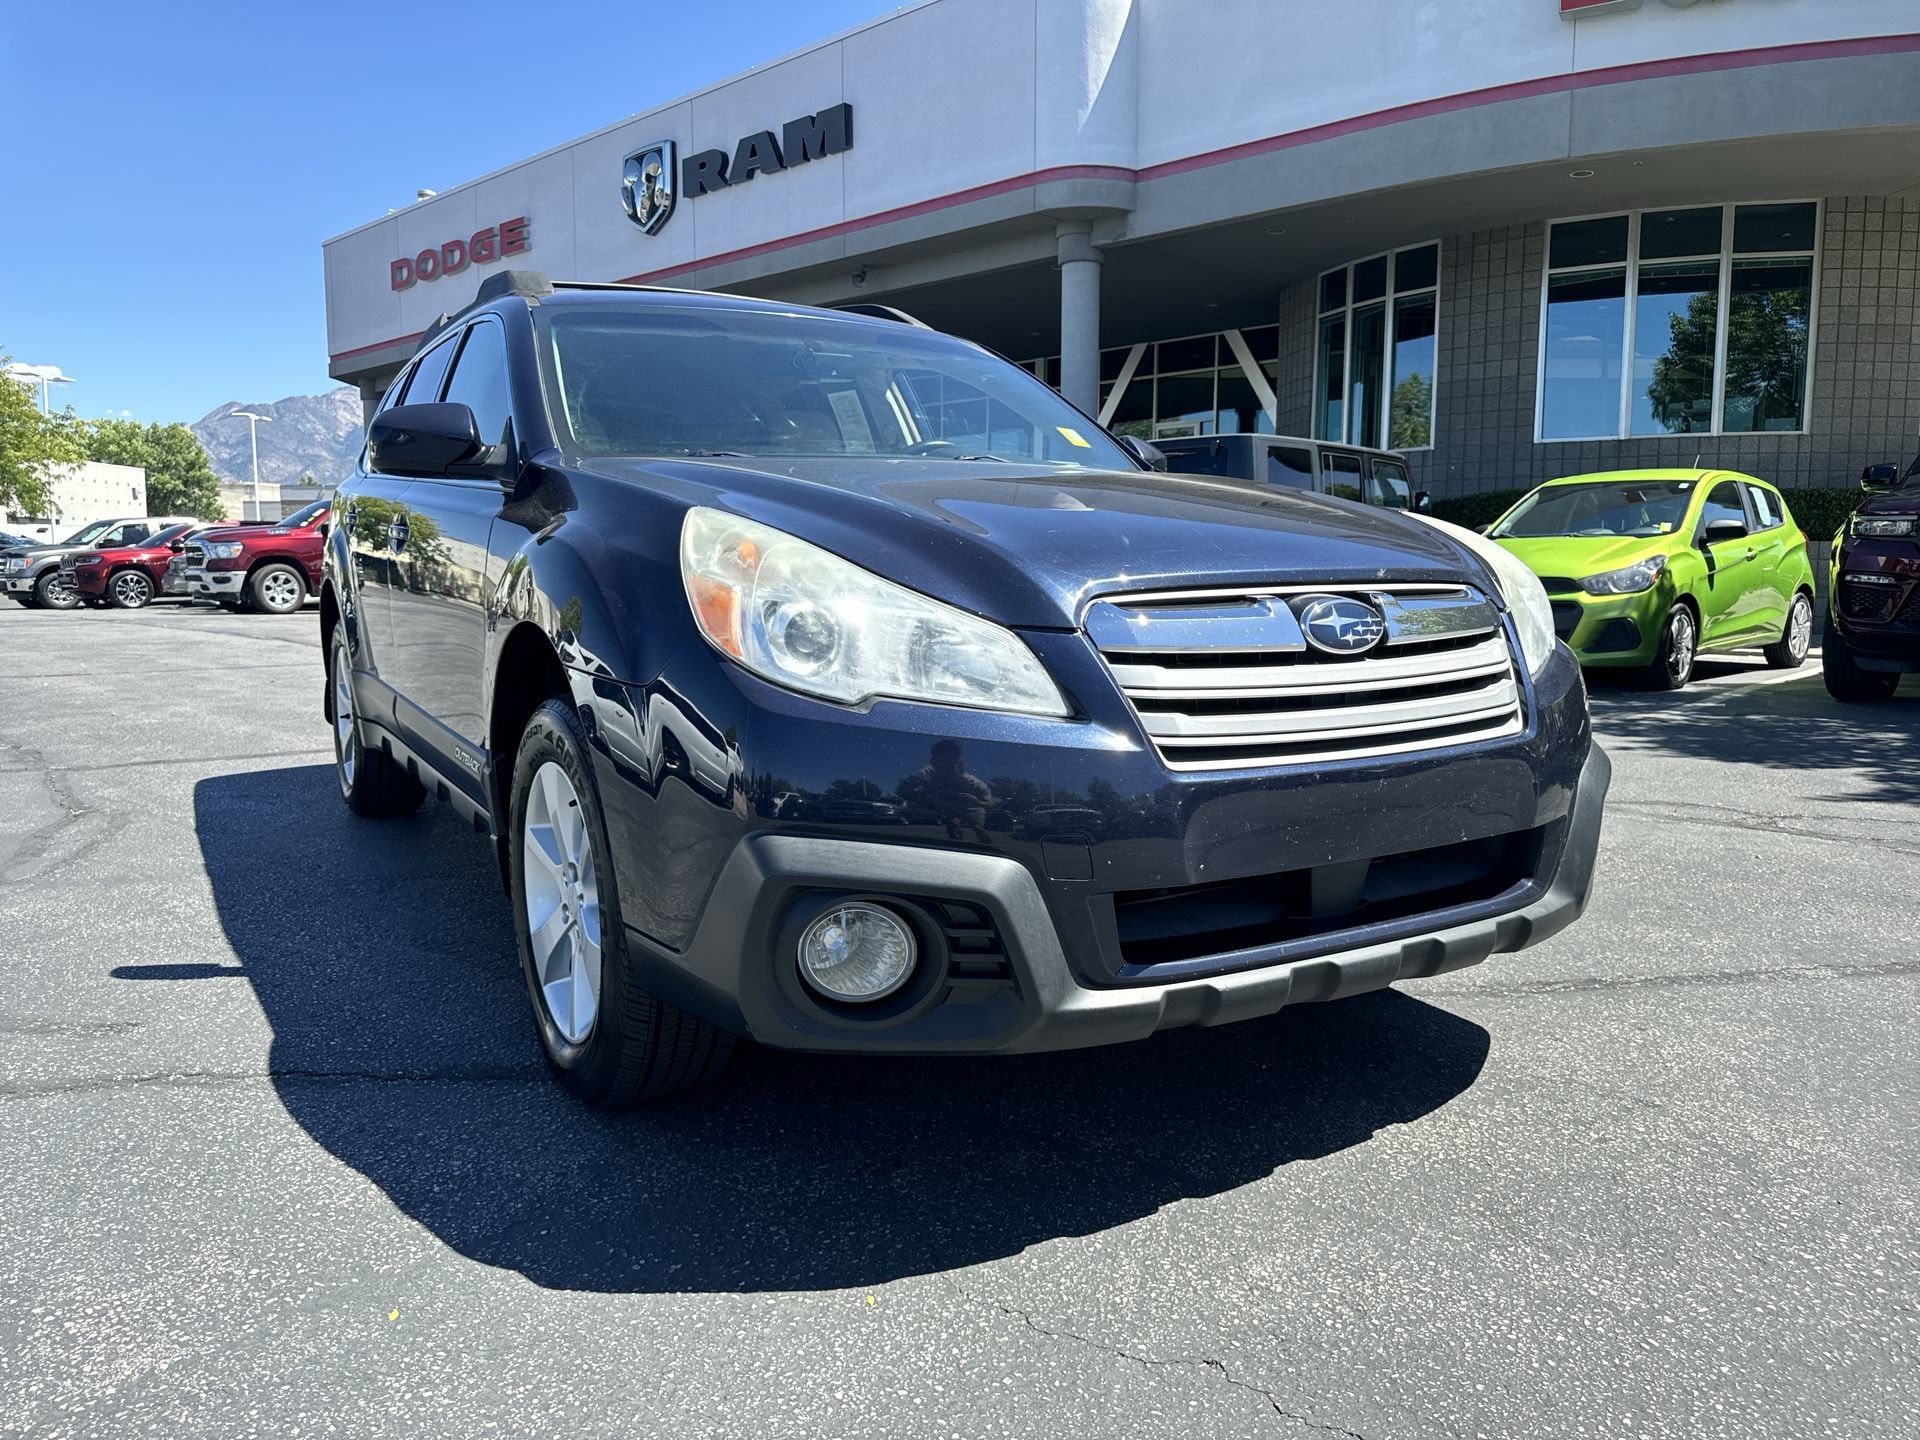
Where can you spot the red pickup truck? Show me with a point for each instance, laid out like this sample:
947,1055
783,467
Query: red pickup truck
264,567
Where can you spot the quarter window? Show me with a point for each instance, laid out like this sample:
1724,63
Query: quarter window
1378,350
1290,468
1678,322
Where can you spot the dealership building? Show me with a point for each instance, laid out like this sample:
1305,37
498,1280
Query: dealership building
1513,238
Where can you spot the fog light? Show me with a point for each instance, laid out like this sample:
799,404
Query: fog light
857,952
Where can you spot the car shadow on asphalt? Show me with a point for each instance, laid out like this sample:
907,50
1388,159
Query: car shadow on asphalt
1793,726
402,1045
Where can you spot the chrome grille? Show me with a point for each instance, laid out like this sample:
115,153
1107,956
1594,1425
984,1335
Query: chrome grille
195,556
1227,680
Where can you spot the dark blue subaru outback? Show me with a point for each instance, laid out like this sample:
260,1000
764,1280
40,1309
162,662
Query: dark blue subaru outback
826,680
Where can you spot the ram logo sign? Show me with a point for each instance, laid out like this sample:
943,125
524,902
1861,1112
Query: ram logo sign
649,184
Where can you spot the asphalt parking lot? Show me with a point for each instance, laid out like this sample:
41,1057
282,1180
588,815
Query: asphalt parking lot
278,1153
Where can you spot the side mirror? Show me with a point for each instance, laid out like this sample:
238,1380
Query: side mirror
1879,477
1719,530
326,528
1422,501
423,440
177,546
1150,457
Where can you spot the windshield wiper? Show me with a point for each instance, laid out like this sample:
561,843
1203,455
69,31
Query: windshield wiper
715,454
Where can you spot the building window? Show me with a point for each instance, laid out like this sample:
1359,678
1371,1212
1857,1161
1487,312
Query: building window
1378,350
1220,384
1678,322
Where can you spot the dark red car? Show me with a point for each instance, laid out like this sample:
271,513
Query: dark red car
264,567
124,576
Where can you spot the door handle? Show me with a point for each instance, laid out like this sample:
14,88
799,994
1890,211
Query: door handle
1751,552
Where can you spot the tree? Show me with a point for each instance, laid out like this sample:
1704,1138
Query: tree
179,479
1412,414
29,443
1766,360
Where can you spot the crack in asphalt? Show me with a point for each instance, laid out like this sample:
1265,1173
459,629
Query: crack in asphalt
1699,978
1726,817
192,1079
34,855
167,760
1203,1362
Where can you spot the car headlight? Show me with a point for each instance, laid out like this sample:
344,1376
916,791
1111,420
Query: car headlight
1883,525
88,560
1628,580
225,551
803,618
1526,597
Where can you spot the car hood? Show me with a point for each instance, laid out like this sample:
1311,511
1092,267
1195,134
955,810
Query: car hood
1030,547
1905,501
1577,556
37,552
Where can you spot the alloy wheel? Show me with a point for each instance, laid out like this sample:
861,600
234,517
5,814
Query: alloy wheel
562,902
1800,628
132,589
61,593
346,734
279,590
1682,640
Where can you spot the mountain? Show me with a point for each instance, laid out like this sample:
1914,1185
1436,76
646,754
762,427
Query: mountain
317,435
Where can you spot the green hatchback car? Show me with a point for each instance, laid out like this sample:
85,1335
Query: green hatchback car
1649,569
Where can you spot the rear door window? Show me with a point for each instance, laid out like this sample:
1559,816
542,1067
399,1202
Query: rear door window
1343,475
1290,466
424,387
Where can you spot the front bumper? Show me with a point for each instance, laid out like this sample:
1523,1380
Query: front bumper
1611,630
215,584
724,975
1034,871
1873,597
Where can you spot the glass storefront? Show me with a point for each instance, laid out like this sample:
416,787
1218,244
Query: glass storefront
1196,385
1374,370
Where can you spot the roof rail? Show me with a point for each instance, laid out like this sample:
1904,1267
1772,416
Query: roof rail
530,283
881,312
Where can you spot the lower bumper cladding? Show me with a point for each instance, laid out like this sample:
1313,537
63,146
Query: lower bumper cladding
1016,990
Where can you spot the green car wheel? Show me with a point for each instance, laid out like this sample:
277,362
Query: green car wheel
1672,666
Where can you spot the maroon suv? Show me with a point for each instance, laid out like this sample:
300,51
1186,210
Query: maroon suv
264,567
124,576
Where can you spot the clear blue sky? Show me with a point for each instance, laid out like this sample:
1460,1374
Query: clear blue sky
168,171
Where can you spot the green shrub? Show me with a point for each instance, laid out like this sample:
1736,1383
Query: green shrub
1474,511
1821,512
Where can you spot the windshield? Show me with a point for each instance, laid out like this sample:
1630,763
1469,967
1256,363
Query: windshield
87,534
713,381
1599,509
300,519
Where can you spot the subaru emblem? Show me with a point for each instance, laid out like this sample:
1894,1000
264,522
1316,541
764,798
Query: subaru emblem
1340,624
647,185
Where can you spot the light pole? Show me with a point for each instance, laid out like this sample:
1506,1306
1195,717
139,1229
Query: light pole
253,419
47,375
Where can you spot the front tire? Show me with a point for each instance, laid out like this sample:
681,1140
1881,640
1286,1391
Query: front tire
607,1039
53,591
1846,680
370,782
1789,652
1672,665
277,589
130,590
